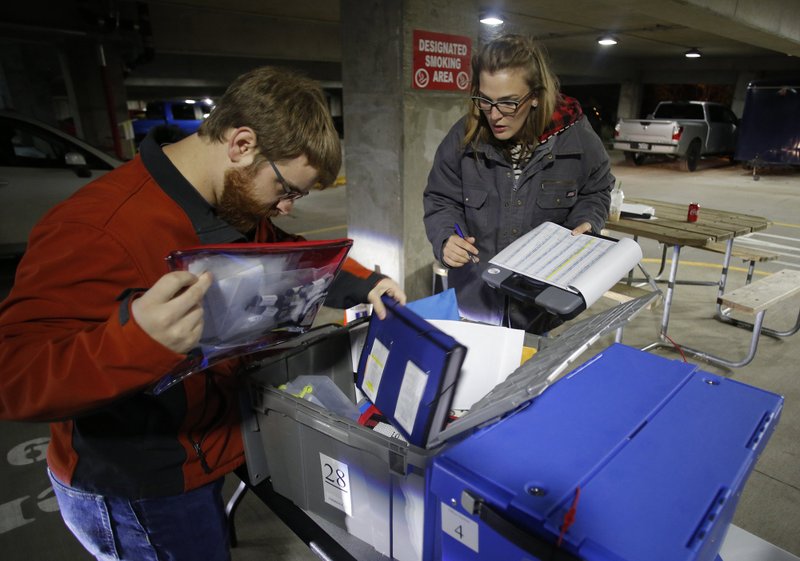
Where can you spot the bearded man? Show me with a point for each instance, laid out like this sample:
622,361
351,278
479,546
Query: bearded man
95,318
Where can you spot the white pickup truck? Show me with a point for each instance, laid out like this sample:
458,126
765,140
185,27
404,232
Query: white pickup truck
685,130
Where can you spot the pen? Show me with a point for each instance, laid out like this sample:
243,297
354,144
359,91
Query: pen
463,237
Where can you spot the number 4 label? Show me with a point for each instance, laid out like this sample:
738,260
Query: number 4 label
336,484
460,527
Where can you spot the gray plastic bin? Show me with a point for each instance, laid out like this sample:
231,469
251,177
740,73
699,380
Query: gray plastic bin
358,479
364,482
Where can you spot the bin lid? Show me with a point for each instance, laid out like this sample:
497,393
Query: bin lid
543,369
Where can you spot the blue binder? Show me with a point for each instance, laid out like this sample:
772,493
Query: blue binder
408,369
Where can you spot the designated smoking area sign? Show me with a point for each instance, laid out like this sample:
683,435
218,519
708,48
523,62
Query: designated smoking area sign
441,61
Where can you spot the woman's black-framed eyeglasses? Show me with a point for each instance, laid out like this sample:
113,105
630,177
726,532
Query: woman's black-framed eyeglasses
504,106
290,193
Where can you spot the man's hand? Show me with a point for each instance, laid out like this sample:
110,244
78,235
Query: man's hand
581,229
171,312
390,288
459,251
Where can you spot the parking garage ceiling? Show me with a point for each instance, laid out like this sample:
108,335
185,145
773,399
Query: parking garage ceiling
185,46
660,28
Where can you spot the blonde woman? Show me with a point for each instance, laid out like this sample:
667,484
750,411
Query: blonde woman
522,155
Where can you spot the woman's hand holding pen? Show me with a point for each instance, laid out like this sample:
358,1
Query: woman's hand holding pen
459,251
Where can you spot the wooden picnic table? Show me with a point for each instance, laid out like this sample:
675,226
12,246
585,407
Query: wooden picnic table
670,226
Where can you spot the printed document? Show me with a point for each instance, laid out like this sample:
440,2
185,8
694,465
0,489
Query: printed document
583,264
494,353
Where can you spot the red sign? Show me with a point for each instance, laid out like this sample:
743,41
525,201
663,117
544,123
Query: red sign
441,61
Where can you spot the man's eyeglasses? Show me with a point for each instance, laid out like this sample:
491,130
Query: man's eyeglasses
505,106
290,193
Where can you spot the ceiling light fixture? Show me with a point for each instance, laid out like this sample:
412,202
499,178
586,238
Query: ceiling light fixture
693,53
607,40
491,19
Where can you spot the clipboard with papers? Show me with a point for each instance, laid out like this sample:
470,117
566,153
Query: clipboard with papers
559,272
408,369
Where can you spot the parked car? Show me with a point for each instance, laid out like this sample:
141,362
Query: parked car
183,115
40,166
684,130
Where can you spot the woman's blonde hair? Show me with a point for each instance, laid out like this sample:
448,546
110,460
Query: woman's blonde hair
289,114
511,52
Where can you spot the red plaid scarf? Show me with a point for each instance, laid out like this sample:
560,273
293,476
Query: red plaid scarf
566,114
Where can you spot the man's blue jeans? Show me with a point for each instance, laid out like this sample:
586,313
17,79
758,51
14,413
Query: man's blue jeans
186,527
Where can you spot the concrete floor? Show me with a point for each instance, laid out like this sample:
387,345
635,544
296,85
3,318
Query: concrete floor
31,529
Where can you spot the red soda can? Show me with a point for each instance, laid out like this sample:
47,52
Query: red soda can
694,210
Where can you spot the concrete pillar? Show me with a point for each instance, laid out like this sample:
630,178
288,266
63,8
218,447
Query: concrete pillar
94,88
27,72
392,130
31,72
630,100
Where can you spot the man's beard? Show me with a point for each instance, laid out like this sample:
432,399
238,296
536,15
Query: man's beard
238,205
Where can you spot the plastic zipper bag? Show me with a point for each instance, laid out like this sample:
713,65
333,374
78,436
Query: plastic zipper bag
260,295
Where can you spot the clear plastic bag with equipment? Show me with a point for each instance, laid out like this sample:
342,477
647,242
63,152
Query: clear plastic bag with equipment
260,295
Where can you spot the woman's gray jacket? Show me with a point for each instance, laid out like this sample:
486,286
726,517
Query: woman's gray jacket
567,181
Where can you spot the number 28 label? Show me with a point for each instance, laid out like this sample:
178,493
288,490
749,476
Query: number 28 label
336,484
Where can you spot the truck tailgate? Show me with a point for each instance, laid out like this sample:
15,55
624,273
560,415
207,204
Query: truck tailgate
653,132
